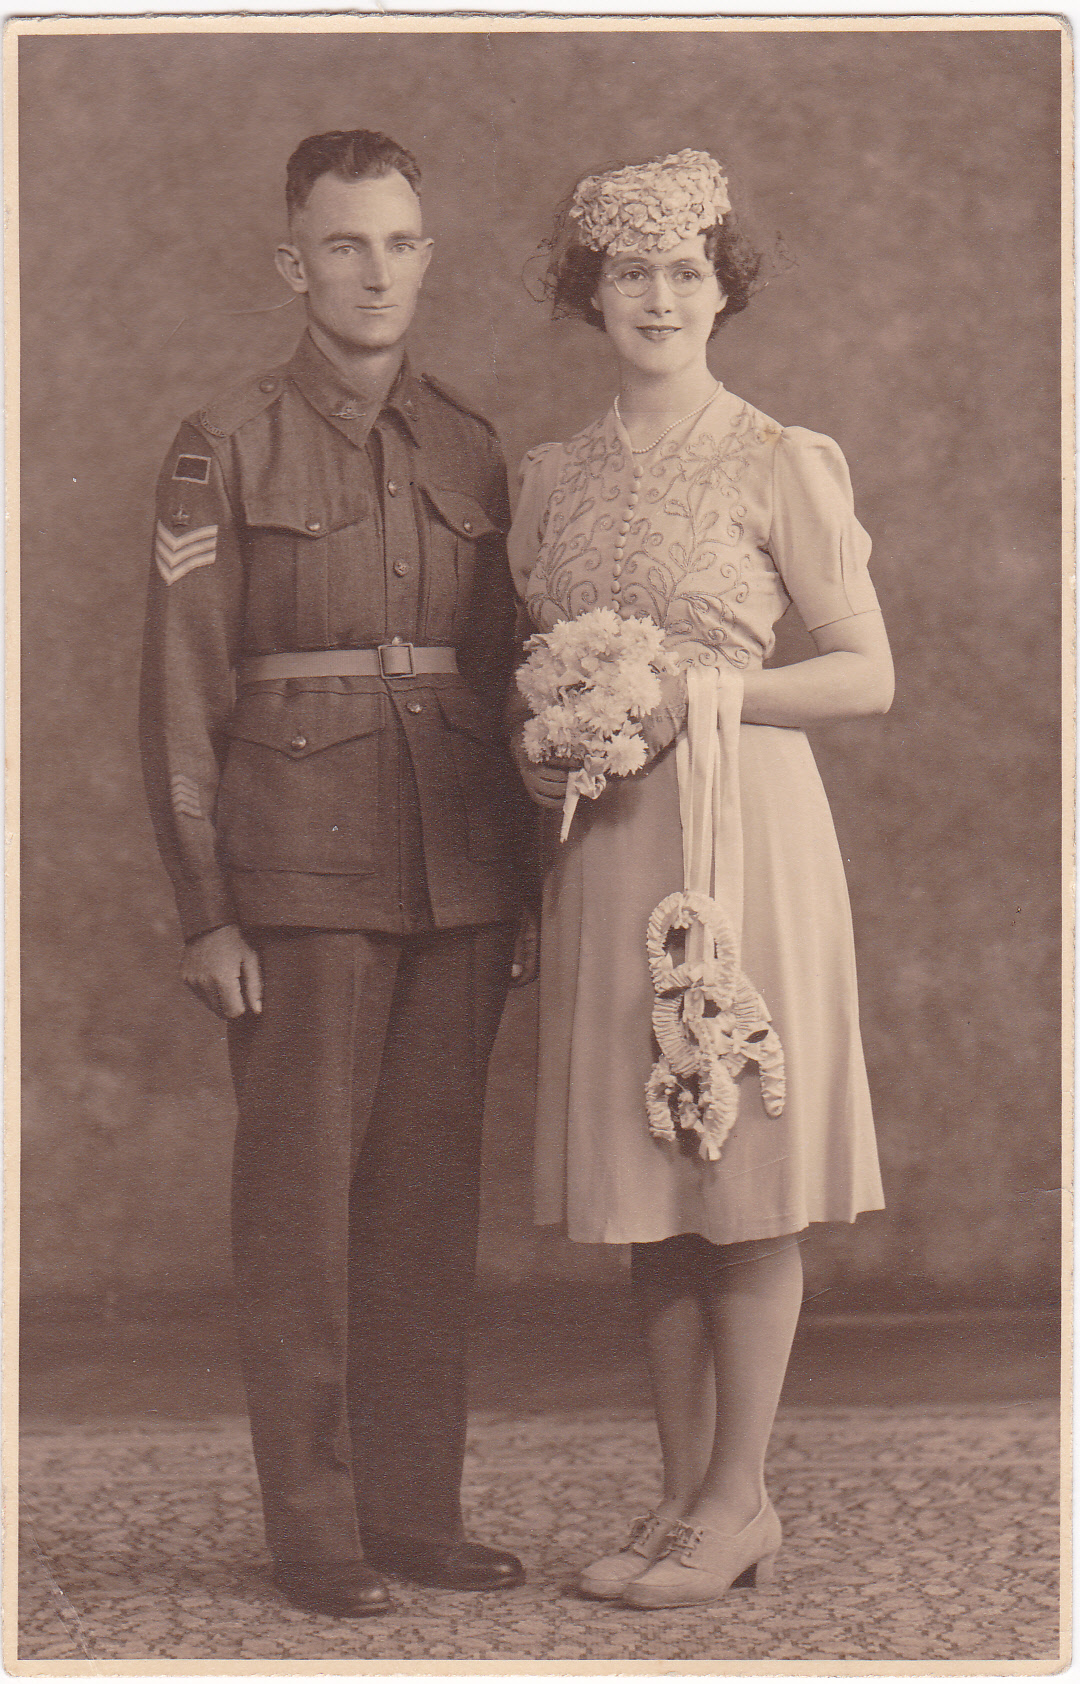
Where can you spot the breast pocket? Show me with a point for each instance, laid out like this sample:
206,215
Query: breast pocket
456,525
301,782
309,558
485,775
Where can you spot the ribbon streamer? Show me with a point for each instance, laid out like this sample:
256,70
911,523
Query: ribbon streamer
710,804
708,1019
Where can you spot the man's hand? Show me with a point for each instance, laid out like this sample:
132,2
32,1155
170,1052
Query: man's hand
525,964
224,971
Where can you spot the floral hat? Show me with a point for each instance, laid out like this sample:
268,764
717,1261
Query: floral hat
655,204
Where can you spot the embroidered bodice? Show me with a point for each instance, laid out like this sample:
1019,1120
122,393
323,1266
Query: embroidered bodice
712,535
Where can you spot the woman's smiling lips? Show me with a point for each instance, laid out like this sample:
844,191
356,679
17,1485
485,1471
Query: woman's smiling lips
656,333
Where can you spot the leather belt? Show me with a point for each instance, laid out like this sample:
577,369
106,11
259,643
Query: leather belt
388,660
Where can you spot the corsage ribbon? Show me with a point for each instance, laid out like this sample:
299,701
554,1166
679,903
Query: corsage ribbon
710,804
708,1019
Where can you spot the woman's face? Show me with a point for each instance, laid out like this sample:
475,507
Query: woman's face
664,330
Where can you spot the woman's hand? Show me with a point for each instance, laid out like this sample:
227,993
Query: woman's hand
545,781
660,727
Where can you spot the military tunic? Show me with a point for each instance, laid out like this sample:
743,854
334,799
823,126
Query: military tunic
294,514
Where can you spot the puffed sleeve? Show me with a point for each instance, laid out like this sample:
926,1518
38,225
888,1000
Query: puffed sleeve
818,546
539,473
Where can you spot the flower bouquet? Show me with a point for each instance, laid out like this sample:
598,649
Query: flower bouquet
589,682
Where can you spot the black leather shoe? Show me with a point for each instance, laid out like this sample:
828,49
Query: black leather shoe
450,1566
348,1590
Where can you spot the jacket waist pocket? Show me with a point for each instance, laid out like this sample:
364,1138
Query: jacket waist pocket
300,787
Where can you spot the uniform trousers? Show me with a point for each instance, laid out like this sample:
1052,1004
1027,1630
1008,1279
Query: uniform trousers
356,1172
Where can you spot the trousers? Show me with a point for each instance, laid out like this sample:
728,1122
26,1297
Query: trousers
360,1092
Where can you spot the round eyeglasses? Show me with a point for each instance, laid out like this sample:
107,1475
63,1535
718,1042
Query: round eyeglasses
635,280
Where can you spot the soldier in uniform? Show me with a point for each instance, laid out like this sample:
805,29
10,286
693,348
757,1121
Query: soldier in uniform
330,638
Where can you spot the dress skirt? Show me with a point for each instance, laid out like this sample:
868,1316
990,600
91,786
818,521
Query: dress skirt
599,1172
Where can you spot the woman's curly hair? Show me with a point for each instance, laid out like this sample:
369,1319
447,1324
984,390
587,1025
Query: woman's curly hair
573,270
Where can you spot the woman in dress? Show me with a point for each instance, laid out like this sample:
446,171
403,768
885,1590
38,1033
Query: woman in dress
685,504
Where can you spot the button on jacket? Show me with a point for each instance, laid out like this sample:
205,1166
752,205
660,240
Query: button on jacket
296,514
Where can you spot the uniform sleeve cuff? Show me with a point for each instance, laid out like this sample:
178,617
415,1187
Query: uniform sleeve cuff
203,907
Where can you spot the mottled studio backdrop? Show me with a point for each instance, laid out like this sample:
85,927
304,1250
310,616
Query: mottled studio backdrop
912,179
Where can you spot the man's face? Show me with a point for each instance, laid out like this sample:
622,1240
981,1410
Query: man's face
358,254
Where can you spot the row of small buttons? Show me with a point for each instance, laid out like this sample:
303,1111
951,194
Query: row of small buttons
624,529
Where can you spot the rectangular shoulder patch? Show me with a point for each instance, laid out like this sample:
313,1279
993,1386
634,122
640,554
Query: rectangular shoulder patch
193,468
177,556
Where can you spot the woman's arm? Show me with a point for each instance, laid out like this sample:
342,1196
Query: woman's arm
851,675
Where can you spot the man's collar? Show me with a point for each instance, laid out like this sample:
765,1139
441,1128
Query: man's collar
349,408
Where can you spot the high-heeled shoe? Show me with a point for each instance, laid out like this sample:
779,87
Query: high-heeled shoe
699,1564
609,1577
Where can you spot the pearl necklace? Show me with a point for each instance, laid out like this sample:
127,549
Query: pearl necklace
694,413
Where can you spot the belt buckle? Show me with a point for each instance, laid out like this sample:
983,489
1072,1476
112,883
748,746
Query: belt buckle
390,654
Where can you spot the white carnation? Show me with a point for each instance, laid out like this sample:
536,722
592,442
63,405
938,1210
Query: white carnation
588,682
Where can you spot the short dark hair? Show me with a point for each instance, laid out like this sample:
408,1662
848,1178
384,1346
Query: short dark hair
574,274
351,155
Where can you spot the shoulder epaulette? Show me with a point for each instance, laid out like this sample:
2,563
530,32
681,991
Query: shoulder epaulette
224,414
458,402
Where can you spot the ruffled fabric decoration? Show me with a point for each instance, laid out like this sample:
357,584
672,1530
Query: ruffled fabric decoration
657,204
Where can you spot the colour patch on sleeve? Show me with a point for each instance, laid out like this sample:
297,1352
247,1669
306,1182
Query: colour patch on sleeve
193,468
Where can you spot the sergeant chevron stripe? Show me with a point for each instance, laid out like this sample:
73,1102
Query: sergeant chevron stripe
177,556
185,797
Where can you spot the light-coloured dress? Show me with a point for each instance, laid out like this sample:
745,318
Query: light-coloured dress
711,535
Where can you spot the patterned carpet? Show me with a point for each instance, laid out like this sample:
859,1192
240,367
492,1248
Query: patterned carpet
912,1534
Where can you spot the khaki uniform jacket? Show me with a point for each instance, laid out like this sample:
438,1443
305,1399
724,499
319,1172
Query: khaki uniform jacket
295,514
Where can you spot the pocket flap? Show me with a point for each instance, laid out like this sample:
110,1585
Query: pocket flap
464,711
306,516
300,725
462,513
